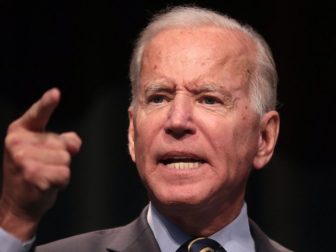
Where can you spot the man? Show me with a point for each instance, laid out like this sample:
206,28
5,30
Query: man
202,117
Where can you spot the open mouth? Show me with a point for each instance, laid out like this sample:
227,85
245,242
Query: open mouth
182,163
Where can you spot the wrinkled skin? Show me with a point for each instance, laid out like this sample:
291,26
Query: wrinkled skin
194,133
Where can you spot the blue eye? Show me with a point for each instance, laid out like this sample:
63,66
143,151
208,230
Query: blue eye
156,99
209,100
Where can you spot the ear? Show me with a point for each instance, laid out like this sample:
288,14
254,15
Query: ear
269,130
131,132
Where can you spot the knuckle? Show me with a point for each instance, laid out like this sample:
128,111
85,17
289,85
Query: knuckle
66,157
62,177
19,156
11,140
13,126
31,171
65,173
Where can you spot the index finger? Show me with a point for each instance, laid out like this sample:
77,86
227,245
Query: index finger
37,116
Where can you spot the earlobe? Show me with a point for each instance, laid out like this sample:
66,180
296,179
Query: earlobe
131,133
269,130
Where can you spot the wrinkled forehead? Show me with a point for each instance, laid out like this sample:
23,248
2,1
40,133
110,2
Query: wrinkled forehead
197,52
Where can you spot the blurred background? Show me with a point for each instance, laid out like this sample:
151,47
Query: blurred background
83,47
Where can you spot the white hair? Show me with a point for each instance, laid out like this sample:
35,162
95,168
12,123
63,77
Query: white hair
263,81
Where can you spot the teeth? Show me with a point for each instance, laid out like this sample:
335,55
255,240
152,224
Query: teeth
184,165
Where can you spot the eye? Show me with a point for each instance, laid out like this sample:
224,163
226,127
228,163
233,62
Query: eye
210,100
156,99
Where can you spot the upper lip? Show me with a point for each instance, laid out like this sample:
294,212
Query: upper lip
179,156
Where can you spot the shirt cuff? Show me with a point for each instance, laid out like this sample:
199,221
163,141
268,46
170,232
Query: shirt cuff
10,243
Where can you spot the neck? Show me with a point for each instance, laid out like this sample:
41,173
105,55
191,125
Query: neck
201,220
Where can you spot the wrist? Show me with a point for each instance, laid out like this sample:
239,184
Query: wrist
17,224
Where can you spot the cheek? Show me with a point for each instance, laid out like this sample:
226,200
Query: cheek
217,130
233,139
147,128
233,155
245,141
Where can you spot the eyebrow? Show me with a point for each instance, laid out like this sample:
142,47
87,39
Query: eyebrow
155,87
210,87
196,89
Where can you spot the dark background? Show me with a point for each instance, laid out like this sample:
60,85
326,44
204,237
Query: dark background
83,47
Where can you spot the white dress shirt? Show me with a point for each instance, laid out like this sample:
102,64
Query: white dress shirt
9,243
235,237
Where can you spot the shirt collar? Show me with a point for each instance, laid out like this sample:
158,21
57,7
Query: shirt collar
235,237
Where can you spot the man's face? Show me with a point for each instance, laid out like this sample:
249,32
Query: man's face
194,133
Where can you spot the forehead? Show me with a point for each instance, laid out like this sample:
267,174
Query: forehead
215,41
189,54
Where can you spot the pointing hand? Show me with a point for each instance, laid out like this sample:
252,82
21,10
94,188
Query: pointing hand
36,166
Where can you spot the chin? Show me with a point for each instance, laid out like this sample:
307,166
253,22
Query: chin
178,197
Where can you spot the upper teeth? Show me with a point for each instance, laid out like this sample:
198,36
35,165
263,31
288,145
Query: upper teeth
184,165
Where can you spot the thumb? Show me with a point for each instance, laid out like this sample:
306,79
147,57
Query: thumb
72,141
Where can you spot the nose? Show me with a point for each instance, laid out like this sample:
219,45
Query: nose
179,121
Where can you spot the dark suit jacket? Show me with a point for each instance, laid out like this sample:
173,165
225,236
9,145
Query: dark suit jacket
136,237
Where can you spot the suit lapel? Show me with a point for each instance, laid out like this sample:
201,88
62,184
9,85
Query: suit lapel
262,242
137,236
144,242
